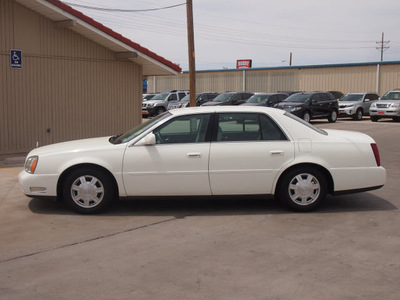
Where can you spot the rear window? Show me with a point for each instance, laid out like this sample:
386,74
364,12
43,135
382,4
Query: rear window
289,115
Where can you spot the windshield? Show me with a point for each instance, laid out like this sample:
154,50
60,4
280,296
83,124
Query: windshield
258,99
223,98
161,96
352,97
301,98
187,97
131,134
391,96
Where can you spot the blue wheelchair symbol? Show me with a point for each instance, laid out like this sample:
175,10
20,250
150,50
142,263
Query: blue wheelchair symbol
16,59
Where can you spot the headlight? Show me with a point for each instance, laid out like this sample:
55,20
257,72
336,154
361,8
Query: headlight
295,108
373,105
31,163
395,105
150,105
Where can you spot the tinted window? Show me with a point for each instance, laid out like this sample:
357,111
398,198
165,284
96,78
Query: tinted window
172,97
247,127
184,129
181,95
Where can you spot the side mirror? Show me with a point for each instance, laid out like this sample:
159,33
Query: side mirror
366,100
148,140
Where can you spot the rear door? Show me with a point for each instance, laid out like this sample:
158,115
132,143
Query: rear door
247,152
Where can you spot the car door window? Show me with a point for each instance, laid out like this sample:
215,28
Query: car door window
173,97
181,95
247,127
184,129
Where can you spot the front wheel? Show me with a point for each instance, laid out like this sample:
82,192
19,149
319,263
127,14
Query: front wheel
307,117
332,116
374,118
358,115
302,189
88,190
159,110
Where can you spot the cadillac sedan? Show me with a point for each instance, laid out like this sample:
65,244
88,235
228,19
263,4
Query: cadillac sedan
207,151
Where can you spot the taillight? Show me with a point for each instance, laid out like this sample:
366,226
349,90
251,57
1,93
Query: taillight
376,154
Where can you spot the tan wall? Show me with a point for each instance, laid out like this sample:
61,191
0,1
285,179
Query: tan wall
344,78
69,87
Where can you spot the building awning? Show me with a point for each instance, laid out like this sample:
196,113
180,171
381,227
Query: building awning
123,48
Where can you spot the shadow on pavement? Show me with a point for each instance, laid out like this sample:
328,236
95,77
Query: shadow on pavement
236,205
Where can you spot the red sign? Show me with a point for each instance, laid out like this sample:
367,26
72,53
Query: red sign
243,63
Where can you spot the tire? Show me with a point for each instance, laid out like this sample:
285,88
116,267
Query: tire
88,190
307,117
333,116
396,119
159,110
374,118
302,189
358,115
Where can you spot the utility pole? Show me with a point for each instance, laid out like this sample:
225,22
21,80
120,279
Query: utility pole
383,45
192,66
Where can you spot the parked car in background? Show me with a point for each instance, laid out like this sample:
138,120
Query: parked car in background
387,107
265,99
201,98
229,98
209,151
313,105
159,103
356,105
148,96
336,94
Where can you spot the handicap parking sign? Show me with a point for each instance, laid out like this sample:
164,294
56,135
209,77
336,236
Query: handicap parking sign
16,59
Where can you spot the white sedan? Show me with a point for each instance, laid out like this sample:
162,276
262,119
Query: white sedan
207,151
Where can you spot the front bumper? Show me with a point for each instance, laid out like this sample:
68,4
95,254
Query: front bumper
348,111
384,112
36,185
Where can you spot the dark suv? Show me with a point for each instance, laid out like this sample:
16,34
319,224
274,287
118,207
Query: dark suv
229,98
314,105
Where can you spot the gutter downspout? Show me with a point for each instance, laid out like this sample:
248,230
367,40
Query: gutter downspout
377,78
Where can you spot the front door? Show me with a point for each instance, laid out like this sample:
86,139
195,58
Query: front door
176,165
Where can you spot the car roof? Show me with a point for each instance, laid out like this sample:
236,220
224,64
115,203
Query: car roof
227,109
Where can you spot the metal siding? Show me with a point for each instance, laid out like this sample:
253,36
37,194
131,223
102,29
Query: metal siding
342,78
69,85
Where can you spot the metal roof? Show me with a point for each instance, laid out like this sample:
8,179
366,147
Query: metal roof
123,48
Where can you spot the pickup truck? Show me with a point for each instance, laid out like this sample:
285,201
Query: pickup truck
313,105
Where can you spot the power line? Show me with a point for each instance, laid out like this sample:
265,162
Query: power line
122,10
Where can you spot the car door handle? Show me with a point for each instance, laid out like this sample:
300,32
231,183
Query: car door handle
193,154
276,152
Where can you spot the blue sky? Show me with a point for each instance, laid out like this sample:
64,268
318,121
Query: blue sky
315,31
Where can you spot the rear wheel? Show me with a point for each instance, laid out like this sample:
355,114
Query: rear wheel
358,115
88,190
302,189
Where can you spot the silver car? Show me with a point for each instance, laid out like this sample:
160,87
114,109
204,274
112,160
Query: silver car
356,104
387,107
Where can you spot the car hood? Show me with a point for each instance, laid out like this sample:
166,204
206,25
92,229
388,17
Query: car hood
386,101
289,104
212,103
348,102
253,104
92,144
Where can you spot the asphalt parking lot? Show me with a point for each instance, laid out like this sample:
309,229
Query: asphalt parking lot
228,248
